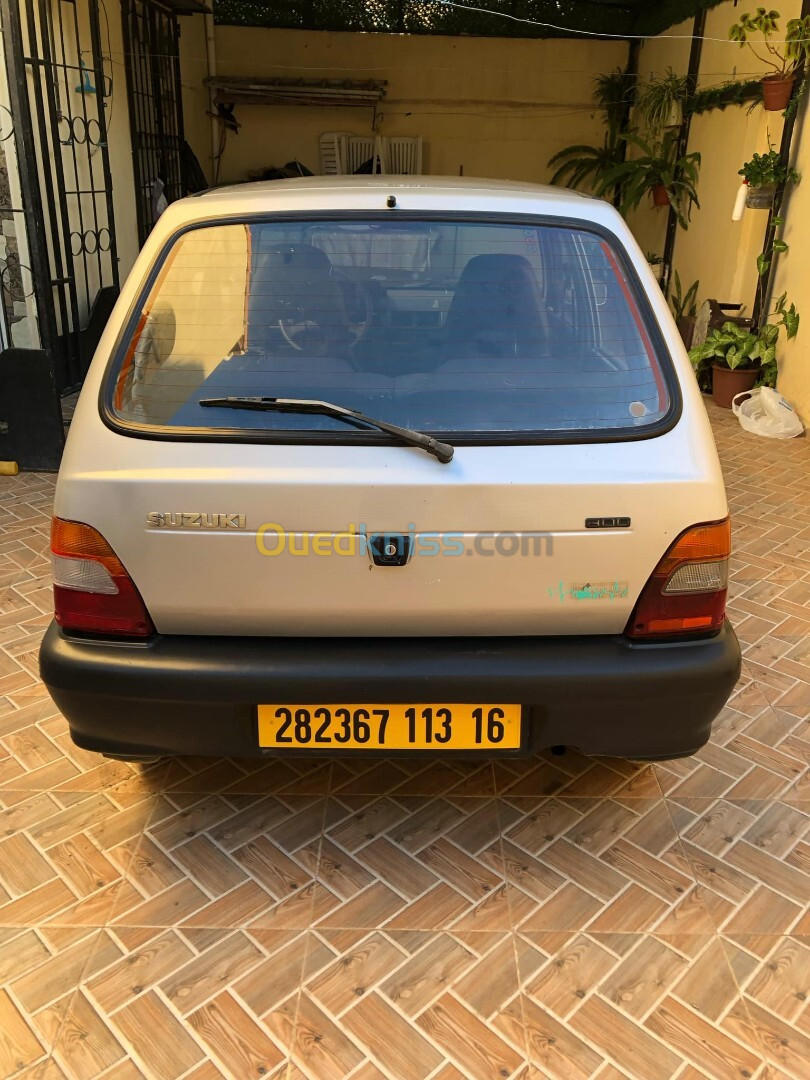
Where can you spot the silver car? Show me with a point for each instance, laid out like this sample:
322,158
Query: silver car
390,465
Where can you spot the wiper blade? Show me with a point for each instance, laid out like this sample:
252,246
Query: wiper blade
441,450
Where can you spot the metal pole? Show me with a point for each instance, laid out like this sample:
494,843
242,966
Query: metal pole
692,73
759,312
98,73
630,71
64,279
174,28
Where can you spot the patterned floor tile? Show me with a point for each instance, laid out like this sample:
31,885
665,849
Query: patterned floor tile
559,917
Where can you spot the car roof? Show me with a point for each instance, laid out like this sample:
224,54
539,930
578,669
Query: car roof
462,185
369,193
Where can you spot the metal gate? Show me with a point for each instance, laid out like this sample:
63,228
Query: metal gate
152,56
59,93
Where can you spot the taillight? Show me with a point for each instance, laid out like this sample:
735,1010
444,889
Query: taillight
686,593
92,591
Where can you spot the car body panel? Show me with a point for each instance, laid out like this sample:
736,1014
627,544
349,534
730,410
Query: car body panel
202,581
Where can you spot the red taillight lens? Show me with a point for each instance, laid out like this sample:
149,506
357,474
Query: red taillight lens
92,590
686,593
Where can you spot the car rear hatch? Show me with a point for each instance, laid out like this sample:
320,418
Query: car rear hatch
502,538
528,346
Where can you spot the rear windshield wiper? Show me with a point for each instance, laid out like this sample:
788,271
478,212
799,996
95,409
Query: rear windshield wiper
441,450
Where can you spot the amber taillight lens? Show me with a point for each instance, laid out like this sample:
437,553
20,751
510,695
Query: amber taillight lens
686,593
92,590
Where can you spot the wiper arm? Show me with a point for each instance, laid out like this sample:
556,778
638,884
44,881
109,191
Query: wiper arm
441,450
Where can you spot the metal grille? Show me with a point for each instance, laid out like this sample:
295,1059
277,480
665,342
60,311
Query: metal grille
151,43
59,93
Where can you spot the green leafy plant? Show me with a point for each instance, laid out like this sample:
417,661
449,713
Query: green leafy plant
777,246
725,94
662,99
613,93
793,104
683,304
735,346
788,316
795,48
653,259
584,165
764,169
658,164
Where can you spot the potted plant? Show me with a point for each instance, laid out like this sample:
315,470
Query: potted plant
586,165
661,101
764,173
784,56
612,93
684,307
658,170
739,357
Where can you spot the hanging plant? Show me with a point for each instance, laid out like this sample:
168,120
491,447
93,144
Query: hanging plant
661,101
612,93
728,93
659,172
785,60
765,173
584,165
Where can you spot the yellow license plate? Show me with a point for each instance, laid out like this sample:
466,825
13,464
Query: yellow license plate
390,727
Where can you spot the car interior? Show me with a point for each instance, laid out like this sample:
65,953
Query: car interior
437,325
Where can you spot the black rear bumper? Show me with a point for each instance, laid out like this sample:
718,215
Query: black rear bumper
198,695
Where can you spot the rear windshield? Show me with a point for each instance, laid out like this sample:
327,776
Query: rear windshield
464,327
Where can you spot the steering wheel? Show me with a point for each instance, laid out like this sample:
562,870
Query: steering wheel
305,334
301,333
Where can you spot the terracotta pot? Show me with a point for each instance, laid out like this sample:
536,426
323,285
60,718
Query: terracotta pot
659,195
760,198
726,384
776,92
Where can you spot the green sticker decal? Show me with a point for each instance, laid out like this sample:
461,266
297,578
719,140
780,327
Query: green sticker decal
599,590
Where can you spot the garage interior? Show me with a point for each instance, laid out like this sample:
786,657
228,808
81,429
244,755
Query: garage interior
559,917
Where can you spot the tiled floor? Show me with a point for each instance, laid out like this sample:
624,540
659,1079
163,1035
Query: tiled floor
561,917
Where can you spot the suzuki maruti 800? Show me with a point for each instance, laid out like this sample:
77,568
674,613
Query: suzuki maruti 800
390,465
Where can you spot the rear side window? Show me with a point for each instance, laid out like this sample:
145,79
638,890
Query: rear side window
463,327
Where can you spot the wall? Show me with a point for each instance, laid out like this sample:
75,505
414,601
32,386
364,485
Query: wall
490,106
193,70
502,107
718,252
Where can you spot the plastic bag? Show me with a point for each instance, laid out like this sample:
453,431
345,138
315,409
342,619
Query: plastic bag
765,412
